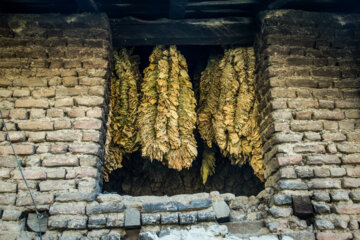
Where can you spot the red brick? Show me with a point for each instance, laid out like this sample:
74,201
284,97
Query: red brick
31,103
88,124
333,236
348,209
36,125
60,161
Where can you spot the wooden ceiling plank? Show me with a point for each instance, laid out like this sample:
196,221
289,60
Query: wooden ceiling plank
223,31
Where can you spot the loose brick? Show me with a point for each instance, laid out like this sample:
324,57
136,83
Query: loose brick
88,124
306,125
60,161
31,103
36,125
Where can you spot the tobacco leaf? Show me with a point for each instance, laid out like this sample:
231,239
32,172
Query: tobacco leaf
167,110
228,111
122,134
208,164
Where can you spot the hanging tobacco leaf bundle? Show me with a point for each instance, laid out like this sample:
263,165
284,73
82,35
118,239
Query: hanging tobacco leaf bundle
167,114
122,135
228,110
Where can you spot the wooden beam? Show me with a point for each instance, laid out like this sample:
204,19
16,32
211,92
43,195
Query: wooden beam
87,6
277,4
177,9
221,31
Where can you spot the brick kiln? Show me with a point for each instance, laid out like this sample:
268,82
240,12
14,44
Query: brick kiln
55,74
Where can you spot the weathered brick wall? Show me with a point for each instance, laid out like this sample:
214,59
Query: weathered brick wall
53,74
309,80
53,77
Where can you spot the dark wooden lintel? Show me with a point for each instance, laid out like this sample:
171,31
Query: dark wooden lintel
221,31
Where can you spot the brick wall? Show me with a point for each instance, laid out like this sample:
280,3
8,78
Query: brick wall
309,77
53,74
53,77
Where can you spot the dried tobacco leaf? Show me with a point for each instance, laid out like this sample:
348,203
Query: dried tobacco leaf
208,164
228,113
167,110
122,135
